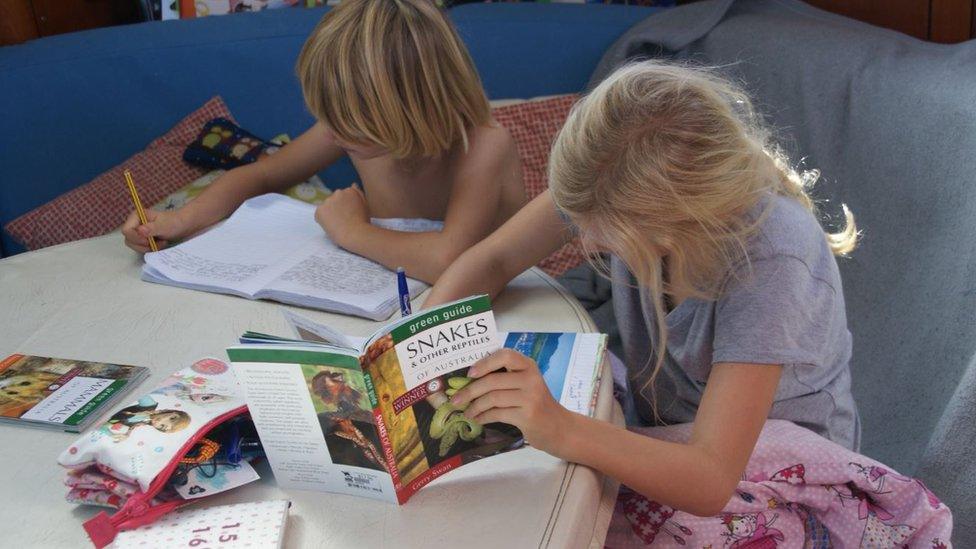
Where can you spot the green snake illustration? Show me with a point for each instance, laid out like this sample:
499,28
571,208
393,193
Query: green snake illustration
450,423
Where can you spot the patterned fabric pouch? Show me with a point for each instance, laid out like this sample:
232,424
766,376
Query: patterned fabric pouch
223,145
312,190
131,460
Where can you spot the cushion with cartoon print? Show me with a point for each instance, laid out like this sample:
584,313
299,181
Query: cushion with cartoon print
312,190
141,439
223,145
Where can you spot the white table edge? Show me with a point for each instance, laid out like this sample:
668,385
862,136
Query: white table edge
563,533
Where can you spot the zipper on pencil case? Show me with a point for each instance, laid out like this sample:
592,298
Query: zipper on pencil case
137,510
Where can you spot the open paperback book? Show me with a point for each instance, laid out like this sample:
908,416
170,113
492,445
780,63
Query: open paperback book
373,418
272,248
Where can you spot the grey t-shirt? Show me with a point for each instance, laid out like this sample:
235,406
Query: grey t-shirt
787,309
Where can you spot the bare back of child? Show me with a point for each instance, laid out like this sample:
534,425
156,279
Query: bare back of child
472,192
422,189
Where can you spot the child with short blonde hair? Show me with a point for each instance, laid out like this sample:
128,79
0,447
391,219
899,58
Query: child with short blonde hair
730,306
393,73
392,87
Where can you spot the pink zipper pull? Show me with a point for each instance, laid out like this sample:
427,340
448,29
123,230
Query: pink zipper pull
148,515
100,529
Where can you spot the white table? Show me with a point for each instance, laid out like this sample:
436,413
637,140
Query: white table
84,300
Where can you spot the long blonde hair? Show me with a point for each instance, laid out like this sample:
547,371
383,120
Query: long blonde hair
392,73
663,159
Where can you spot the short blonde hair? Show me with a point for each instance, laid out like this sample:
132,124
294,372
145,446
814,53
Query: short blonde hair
392,73
667,159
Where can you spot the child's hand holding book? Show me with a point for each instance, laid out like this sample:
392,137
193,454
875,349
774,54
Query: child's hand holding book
509,388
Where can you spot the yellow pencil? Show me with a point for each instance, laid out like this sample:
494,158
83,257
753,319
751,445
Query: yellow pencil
138,203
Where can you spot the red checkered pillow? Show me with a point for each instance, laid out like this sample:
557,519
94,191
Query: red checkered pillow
534,125
100,206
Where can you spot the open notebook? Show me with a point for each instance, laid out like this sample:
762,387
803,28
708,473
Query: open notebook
272,248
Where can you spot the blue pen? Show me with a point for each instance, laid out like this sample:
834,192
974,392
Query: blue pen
404,292
234,453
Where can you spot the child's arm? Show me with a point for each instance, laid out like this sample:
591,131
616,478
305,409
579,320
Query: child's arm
528,237
698,477
311,152
490,165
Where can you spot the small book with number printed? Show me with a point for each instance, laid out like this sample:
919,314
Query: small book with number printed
259,524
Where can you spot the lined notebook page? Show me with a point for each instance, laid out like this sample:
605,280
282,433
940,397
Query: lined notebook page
272,247
259,525
262,239
341,276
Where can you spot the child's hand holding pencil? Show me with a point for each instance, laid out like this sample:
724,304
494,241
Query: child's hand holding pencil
148,230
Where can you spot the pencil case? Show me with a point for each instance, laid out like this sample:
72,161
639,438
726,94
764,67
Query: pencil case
131,461
223,145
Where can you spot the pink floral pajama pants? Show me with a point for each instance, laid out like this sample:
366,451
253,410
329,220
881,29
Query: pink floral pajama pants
799,490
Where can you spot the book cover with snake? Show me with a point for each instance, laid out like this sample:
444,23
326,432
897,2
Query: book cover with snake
414,370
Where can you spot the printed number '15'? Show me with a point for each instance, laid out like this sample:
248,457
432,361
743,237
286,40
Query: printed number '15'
195,542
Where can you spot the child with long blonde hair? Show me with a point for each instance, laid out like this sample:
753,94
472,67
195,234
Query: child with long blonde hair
392,87
725,289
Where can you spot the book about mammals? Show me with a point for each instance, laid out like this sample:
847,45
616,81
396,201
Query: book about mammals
63,394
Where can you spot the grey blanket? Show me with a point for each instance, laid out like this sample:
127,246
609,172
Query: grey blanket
891,123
